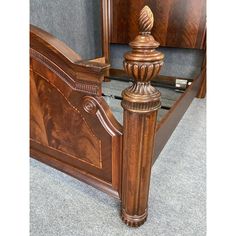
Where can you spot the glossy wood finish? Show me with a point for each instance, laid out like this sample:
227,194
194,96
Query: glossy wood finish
178,23
73,129
141,102
82,175
105,9
70,123
202,90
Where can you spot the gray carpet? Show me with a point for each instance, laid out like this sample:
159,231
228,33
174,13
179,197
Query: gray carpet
61,205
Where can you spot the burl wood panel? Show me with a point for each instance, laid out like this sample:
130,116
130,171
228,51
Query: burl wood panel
66,129
178,23
71,126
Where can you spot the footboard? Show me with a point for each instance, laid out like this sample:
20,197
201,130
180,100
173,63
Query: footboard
71,126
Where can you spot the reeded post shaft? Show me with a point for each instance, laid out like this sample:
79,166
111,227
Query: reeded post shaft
141,102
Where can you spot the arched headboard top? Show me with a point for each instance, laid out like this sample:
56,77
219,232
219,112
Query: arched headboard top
54,49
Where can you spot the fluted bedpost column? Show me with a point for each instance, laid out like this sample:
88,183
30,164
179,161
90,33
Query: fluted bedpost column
141,102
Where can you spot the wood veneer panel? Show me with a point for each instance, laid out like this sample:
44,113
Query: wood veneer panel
37,127
178,23
66,128
70,121
73,171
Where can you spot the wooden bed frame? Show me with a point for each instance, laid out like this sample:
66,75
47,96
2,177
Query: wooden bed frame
73,129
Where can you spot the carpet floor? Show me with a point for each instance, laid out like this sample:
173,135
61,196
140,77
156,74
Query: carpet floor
63,206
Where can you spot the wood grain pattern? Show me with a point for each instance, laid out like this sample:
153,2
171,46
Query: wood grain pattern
70,121
202,90
105,9
67,130
178,23
141,102
37,128
71,126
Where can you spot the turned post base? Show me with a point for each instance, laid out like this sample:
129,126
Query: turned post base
133,221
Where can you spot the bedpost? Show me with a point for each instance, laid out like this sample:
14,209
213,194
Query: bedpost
141,102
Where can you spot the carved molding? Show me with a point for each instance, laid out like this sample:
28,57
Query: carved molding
89,105
143,63
79,86
141,97
142,89
88,88
143,71
133,221
92,106
141,107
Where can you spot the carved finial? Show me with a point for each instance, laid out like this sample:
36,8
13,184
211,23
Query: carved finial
146,20
143,62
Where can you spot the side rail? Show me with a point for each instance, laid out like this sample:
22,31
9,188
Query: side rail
71,126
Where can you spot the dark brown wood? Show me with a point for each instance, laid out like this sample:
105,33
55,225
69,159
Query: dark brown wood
71,170
141,102
178,23
69,119
202,90
73,129
105,8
